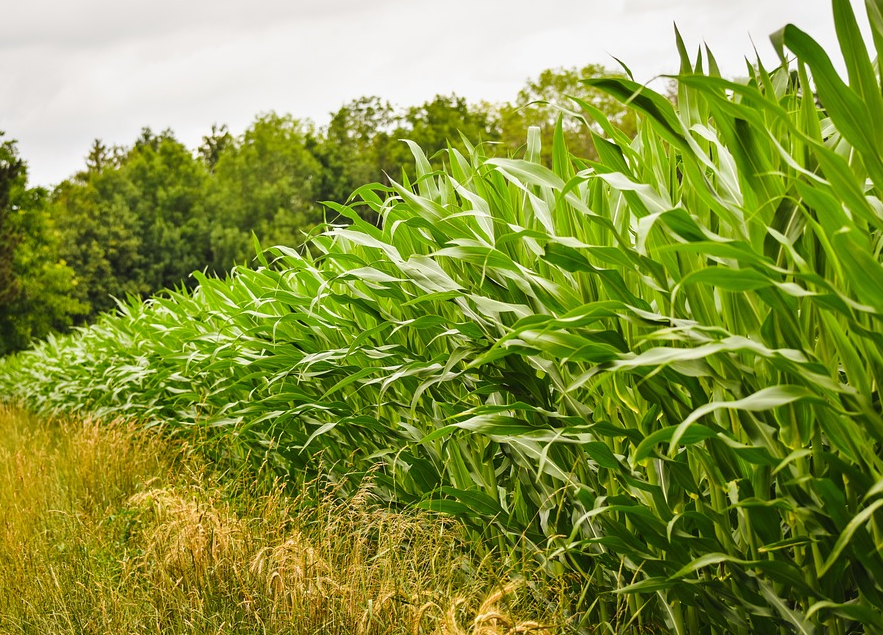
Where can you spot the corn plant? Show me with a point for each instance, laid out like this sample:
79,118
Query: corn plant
656,373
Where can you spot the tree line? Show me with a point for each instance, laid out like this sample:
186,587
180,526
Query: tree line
141,218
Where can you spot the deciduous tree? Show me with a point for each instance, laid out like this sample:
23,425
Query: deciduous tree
36,285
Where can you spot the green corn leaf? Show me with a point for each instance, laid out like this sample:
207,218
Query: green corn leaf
846,535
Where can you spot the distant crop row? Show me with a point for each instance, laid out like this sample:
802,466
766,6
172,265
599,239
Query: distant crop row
658,371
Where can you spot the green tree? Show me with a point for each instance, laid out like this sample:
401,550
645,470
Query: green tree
100,237
266,182
133,222
166,196
36,285
11,171
213,145
355,148
442,120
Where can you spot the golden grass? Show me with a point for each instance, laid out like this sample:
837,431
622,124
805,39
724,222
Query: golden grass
105,529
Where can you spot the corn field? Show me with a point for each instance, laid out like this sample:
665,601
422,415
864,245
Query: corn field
657,373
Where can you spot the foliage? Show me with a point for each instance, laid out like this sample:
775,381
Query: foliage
36,285
139,219
11,171
357,147
264,183
363,142
551,94
443,122
133,223
165,195
213,145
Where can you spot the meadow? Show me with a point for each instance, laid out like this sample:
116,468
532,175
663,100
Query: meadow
654,375
121,531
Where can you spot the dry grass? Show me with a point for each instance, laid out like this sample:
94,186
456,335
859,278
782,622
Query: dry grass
109,530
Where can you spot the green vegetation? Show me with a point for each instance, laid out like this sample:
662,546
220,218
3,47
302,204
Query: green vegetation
118,531
37,287
140,219
134,222
654,372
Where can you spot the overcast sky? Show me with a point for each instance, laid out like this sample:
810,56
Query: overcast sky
76,70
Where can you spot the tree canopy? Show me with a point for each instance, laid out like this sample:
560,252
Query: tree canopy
37,287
